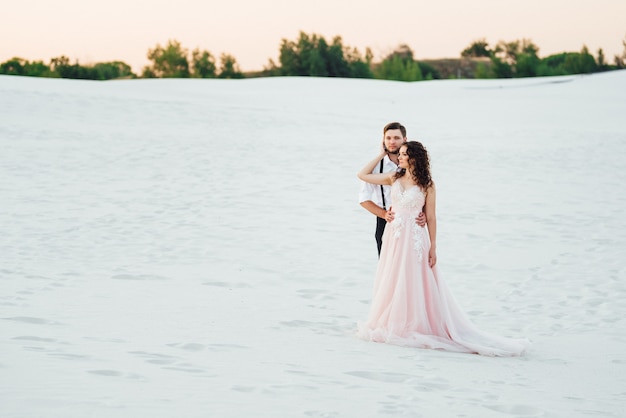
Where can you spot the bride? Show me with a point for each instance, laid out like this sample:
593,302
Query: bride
412,305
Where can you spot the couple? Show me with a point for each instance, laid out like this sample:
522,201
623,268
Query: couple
412,305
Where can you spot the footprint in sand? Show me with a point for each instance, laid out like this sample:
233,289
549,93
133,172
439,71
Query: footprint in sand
236,285
105,372
138,277
31,320
517,410
386,377
317,294
35,339
115,373
155,358
169,362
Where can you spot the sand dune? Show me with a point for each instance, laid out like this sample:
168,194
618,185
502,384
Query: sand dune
195,247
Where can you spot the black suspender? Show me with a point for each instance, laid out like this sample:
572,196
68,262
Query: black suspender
382,192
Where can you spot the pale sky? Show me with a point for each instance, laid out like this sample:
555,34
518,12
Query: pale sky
252,30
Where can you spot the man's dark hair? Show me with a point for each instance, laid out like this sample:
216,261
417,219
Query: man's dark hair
395,125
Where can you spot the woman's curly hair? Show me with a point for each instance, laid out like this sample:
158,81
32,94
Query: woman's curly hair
419,164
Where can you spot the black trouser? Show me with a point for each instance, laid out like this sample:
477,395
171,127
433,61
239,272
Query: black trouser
380,228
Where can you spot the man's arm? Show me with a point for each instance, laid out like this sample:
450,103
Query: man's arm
373,208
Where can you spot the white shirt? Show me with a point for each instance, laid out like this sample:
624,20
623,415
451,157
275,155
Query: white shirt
371,192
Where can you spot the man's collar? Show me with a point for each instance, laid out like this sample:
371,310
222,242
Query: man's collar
386,160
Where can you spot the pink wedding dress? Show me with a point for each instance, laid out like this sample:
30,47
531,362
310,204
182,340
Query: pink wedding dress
412,305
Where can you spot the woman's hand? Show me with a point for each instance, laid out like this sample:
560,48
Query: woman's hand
432,257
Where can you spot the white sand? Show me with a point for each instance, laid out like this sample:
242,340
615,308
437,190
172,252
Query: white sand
195,248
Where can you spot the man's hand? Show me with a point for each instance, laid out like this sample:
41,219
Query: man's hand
389,215
420,220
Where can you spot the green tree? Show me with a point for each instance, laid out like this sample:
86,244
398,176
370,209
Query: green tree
112,70
62,68
527,65
336,63
571,63
587,61
360,66
37,69
148,72
315,53
21,66
271,69
601,61
500,68
509,51
428,71
289,58
478,48
400,66
229,67
312,55
305,57
515,59
482,71
554,65
168,62
580,63
396,68
14,66
203,64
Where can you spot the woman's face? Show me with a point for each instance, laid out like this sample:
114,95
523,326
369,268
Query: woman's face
403,158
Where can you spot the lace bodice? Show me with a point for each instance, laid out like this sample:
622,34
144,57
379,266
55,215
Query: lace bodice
407,203
409,199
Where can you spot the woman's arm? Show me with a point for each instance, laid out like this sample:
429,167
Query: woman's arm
367,176
431,221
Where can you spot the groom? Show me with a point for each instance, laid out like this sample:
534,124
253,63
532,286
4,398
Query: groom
377,199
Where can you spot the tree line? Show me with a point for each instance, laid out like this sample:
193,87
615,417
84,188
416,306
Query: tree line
313,55
520,58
